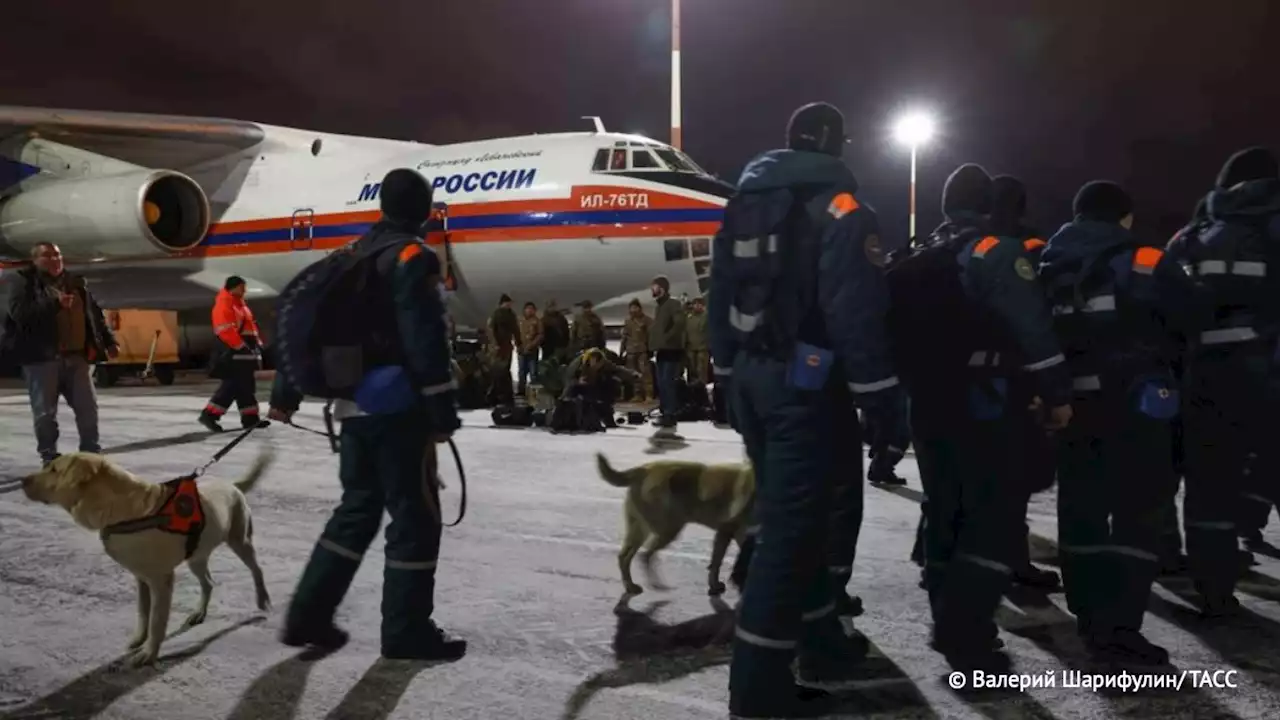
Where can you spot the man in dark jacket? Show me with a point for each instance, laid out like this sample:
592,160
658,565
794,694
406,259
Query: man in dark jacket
555,333
56,331
666,341
1034,447
504,333
388,455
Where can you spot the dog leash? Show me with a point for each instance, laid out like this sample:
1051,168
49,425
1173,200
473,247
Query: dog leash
431,504
200,471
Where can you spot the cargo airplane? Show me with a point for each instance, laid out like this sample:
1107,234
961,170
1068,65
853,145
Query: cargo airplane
156,211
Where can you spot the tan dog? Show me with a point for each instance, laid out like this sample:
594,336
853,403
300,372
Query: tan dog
100,494
664,496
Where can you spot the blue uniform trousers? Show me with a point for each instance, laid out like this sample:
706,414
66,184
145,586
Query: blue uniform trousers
787,607
387,463
1115,480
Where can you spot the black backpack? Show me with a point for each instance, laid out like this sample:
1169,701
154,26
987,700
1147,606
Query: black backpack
335,320
932,333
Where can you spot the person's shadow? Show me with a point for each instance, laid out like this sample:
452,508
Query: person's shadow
651,652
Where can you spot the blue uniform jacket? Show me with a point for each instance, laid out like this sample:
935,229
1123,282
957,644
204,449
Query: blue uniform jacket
418,303
1158,295
851,288
1000,279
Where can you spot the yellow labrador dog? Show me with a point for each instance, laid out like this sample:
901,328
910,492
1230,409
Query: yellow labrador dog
102,496
664,496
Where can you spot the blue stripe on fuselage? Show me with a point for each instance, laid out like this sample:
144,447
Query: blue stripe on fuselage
485,222
13,172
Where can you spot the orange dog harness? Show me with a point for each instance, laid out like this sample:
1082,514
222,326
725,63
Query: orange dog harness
181,514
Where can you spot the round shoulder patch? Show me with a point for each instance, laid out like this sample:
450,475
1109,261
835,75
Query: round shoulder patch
1022,266
874,250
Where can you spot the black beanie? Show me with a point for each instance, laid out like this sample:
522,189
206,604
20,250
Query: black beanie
662,282
1008,197
233,282
504,299
1102,201
817,127
406,196
1256,163
967,190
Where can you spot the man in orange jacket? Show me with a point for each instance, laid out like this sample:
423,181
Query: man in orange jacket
236,360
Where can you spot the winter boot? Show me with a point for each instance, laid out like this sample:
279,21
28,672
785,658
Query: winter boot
210,421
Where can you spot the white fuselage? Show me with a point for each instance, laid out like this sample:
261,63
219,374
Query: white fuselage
528,217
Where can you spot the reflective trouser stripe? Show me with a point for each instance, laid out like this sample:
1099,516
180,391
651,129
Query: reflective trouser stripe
750,247
721,371
885,384
1117,549
979,359
441,388
840,570
1088,382
408,565
742,322
752,530
820,613
1100,303
1046,363
752,639
1207,525
337,549
1256,498
223,326
895,450
1228,335
983,562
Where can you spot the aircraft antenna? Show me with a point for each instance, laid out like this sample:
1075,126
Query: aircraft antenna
598,122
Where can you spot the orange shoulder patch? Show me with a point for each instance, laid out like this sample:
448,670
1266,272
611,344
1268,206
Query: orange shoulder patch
410,251
1033,244
1147,257
984,245
842,205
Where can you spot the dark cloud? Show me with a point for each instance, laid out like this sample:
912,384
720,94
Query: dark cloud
1154,95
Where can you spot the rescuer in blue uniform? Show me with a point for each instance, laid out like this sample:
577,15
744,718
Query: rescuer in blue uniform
388,461
1118,310
796,322
963,435
1034,447
1232,402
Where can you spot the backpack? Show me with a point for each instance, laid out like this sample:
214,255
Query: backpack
931,328
335,321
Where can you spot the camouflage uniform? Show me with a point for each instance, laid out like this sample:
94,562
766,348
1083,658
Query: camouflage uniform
503,334
696,350
588,331
635,350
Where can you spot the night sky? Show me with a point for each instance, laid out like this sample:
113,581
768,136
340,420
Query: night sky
1152,93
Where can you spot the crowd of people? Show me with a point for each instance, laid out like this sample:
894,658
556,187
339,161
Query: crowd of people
1009,360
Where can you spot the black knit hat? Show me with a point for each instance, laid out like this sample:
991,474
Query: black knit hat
1255,163
1102,201
1008,197
817,127
967,190
504,299
233,282
406,196
662,282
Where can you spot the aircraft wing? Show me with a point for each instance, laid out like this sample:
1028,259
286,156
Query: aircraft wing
145,140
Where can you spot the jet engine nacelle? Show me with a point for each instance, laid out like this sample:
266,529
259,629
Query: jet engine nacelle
149,213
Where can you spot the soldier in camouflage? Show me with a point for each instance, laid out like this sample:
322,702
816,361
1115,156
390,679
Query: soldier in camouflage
588,329
697,352
635,350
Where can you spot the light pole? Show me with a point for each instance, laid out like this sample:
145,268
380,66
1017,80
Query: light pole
913,130
675,74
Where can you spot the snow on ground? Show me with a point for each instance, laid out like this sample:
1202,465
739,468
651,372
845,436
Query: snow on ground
530,578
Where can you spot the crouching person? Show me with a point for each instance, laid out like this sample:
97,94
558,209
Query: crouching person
401,408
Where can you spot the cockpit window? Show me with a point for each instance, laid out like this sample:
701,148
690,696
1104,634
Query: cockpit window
644,160
602,161
618,160
672,159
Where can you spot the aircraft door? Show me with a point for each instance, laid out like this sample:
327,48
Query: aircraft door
438,235
302,229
